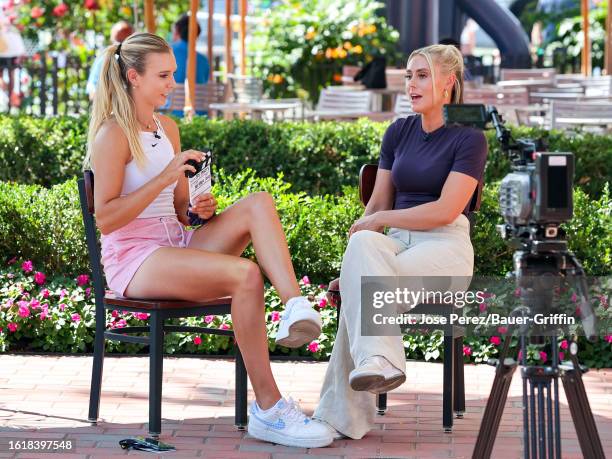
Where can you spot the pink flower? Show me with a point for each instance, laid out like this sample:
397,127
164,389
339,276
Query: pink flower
12,326
34,304
1,329
82,279
603,301
115,313
488,295
76,317
564,344
495,340
543,356
24,311
39,278
313,347
305,280
88,291
36,12
502,330
323,286
467,350
197,341
45,293
62,306
322,302
141,315
520,355
121,323
608,338
574,297
517,292
275,316
209,319
44,313
9,303
60,10
224,327
27,266
561,355
91,5
482,307
63,293
12,260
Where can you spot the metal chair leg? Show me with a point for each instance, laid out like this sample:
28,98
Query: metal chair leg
156,359
240,417
96,372
447,390
458,380
381,404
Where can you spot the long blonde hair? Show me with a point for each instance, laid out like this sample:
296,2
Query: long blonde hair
449,58
113,97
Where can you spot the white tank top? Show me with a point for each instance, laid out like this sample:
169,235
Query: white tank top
158,153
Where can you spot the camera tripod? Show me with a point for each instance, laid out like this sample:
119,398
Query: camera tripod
541,417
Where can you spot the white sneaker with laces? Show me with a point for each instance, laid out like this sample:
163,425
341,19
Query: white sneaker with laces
376,375
299,324
285,424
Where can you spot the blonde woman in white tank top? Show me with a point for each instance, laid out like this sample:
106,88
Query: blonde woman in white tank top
141,200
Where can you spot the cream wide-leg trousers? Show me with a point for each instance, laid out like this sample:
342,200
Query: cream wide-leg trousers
443,251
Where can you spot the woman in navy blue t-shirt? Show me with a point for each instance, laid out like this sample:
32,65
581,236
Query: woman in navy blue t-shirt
426,177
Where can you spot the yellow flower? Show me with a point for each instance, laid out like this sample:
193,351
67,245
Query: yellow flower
328,53
342,53
347,45
357,49
371,29
310,33
278,79
126,11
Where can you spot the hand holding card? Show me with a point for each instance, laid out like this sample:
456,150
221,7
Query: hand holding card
200,181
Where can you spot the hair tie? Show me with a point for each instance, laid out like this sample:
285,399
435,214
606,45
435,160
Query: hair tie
118,50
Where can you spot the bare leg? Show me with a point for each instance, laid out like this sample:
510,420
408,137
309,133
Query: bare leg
253,218
196,275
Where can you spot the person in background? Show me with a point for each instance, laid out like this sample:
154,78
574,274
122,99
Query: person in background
119,32
180,39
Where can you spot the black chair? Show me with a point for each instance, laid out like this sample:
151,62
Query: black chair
453,395
159,311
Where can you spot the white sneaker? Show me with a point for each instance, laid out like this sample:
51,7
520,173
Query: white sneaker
299,324
285,424
376,375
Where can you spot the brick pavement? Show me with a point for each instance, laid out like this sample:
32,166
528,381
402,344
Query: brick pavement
46,397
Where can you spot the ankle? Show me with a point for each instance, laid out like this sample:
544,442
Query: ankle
265,403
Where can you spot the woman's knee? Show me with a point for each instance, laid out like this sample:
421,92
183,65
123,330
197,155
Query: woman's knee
363,242
249,276
260,202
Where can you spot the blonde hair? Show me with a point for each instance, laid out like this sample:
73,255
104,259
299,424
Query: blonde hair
113,97
450,59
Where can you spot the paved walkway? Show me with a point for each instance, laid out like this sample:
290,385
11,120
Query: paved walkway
46,398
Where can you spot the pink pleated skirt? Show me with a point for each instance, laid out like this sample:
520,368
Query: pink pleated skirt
124,250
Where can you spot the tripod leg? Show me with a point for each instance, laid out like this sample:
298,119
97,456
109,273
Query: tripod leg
495,405
586,429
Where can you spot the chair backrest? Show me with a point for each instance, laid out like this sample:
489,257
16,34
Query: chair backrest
245,89
579,112
403,106
205,94
527,74
598,86
344,101
367,179
496,95
86,198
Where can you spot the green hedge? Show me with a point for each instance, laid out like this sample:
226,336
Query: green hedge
318,158
45,226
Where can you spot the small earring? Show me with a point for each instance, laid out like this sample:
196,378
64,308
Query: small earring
446,93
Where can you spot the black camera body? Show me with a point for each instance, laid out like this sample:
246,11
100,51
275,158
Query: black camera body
538,194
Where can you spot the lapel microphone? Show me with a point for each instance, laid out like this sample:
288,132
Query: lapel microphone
156,135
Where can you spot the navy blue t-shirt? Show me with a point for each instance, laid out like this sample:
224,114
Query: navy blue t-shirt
420,162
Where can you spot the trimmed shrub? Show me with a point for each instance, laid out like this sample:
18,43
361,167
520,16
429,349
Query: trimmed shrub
318,158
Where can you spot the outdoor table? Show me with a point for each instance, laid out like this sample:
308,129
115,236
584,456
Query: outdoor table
257,109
